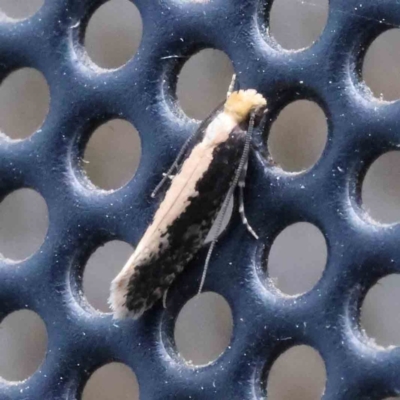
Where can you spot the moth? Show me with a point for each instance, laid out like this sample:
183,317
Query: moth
211,164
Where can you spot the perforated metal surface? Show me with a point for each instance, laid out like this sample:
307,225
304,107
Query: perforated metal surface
82,218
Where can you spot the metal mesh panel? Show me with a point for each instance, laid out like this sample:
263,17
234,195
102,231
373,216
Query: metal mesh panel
266,323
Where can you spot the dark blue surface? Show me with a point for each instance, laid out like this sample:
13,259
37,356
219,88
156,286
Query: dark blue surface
82,219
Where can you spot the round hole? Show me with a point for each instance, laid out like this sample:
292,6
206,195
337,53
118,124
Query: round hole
380,66
299,373
23,345
114,381
113,34
24,103
23,224
298,136
20,9
297,258
379,311
380,189
103,266
297,24
203,83
112,154
203,328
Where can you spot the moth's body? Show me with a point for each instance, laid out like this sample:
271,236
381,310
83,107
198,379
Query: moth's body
190,206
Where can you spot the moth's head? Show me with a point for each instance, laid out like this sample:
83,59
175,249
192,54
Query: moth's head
242,103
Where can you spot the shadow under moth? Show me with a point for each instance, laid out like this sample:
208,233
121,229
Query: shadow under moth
211,164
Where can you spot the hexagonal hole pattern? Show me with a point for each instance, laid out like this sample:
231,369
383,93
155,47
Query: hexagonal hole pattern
192,350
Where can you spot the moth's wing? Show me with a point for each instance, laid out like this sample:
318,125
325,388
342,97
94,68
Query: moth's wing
200,132
184,152
179,228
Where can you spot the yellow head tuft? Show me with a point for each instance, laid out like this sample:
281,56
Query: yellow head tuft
240,104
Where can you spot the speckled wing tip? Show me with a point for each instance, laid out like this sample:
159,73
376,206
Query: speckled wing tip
117,299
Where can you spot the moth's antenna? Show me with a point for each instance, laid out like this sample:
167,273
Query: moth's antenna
164,298
174,165
224,208
242,211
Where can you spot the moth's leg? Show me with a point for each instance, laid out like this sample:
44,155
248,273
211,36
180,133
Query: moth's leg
241,185
231,86
164,299
175,164
169,176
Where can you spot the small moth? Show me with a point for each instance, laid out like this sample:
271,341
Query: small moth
211,164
